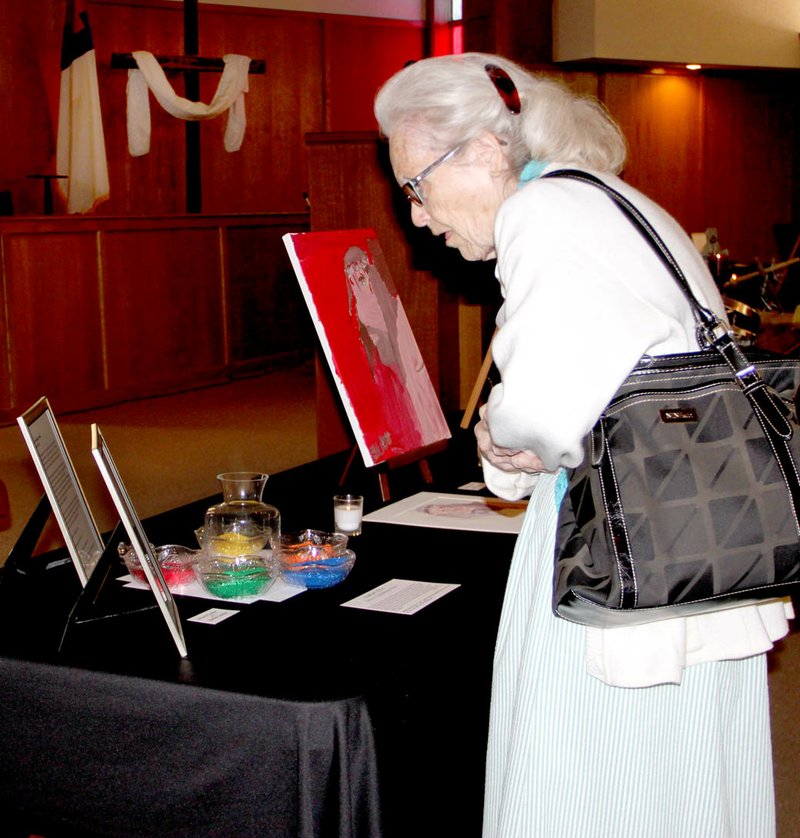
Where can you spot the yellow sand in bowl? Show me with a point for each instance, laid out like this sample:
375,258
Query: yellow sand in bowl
236,544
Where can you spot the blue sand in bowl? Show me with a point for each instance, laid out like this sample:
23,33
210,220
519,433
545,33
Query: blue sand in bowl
320,574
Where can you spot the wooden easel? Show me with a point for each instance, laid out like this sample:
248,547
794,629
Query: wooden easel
477,388
420,457
191,65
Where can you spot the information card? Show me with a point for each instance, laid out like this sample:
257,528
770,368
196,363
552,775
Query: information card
401,596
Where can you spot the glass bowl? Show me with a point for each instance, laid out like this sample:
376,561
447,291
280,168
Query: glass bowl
315,559
176,563
236,577
307,545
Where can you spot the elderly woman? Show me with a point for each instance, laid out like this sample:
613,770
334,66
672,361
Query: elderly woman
661,729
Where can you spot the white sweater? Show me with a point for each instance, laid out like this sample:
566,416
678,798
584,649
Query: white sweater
584,298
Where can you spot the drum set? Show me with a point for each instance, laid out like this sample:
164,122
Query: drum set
761,314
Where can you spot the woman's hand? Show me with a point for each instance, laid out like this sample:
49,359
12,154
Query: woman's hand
506,459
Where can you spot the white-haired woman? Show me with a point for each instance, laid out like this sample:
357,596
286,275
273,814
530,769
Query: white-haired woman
657,730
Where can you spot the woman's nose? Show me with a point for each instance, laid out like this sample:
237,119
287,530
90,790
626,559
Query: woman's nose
419,216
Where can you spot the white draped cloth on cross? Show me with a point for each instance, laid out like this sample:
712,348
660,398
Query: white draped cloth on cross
150,76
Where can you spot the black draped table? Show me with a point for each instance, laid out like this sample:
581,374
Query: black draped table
295,718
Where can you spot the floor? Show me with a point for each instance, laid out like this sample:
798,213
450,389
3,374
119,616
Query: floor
168,451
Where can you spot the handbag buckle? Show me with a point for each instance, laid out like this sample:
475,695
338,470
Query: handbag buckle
711,331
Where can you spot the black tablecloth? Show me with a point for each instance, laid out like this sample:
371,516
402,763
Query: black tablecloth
117,755
295,718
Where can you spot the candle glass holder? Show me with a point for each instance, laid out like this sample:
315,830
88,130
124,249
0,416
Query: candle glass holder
347,512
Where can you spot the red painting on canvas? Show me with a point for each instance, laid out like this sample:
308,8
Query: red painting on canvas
368,342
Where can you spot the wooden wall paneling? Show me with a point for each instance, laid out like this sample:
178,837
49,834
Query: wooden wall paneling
30,46
163,302
154,183
270,171
662,118
517,29
479,26
751,142
267,316
585,83
55,343
360,55
5,359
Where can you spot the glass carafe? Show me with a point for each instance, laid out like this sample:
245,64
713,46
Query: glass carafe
242,525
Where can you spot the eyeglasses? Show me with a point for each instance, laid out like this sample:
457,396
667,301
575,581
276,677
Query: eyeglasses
410,186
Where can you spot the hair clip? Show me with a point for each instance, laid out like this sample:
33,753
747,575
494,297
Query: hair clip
504,86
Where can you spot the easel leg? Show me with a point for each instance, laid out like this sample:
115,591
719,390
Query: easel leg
477,388
348,465
425,470
383,477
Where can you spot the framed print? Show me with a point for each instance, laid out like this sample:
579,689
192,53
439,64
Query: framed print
454,512
138,538
62,487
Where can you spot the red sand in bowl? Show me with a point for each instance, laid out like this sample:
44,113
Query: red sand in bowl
176,564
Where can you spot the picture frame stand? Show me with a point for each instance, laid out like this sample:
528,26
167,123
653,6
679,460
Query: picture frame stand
94,601
99,599
29,614
22,551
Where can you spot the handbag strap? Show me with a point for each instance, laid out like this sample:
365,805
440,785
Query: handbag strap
712,331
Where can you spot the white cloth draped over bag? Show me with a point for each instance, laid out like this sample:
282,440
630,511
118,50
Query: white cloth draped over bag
229,96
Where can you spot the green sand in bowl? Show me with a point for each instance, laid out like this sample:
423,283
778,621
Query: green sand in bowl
235,582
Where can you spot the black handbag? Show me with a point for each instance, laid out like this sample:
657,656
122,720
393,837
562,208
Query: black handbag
688,496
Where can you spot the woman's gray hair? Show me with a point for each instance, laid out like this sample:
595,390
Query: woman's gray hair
453,99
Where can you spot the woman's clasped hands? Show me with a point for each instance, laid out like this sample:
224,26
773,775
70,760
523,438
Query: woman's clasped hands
506,459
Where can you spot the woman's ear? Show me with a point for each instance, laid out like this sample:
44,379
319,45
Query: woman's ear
491,151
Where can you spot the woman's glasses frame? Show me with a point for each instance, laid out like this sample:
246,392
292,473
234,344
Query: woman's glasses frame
410,186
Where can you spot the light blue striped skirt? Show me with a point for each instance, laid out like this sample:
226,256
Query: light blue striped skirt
571,756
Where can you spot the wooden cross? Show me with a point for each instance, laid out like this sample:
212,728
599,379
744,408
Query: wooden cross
191,64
